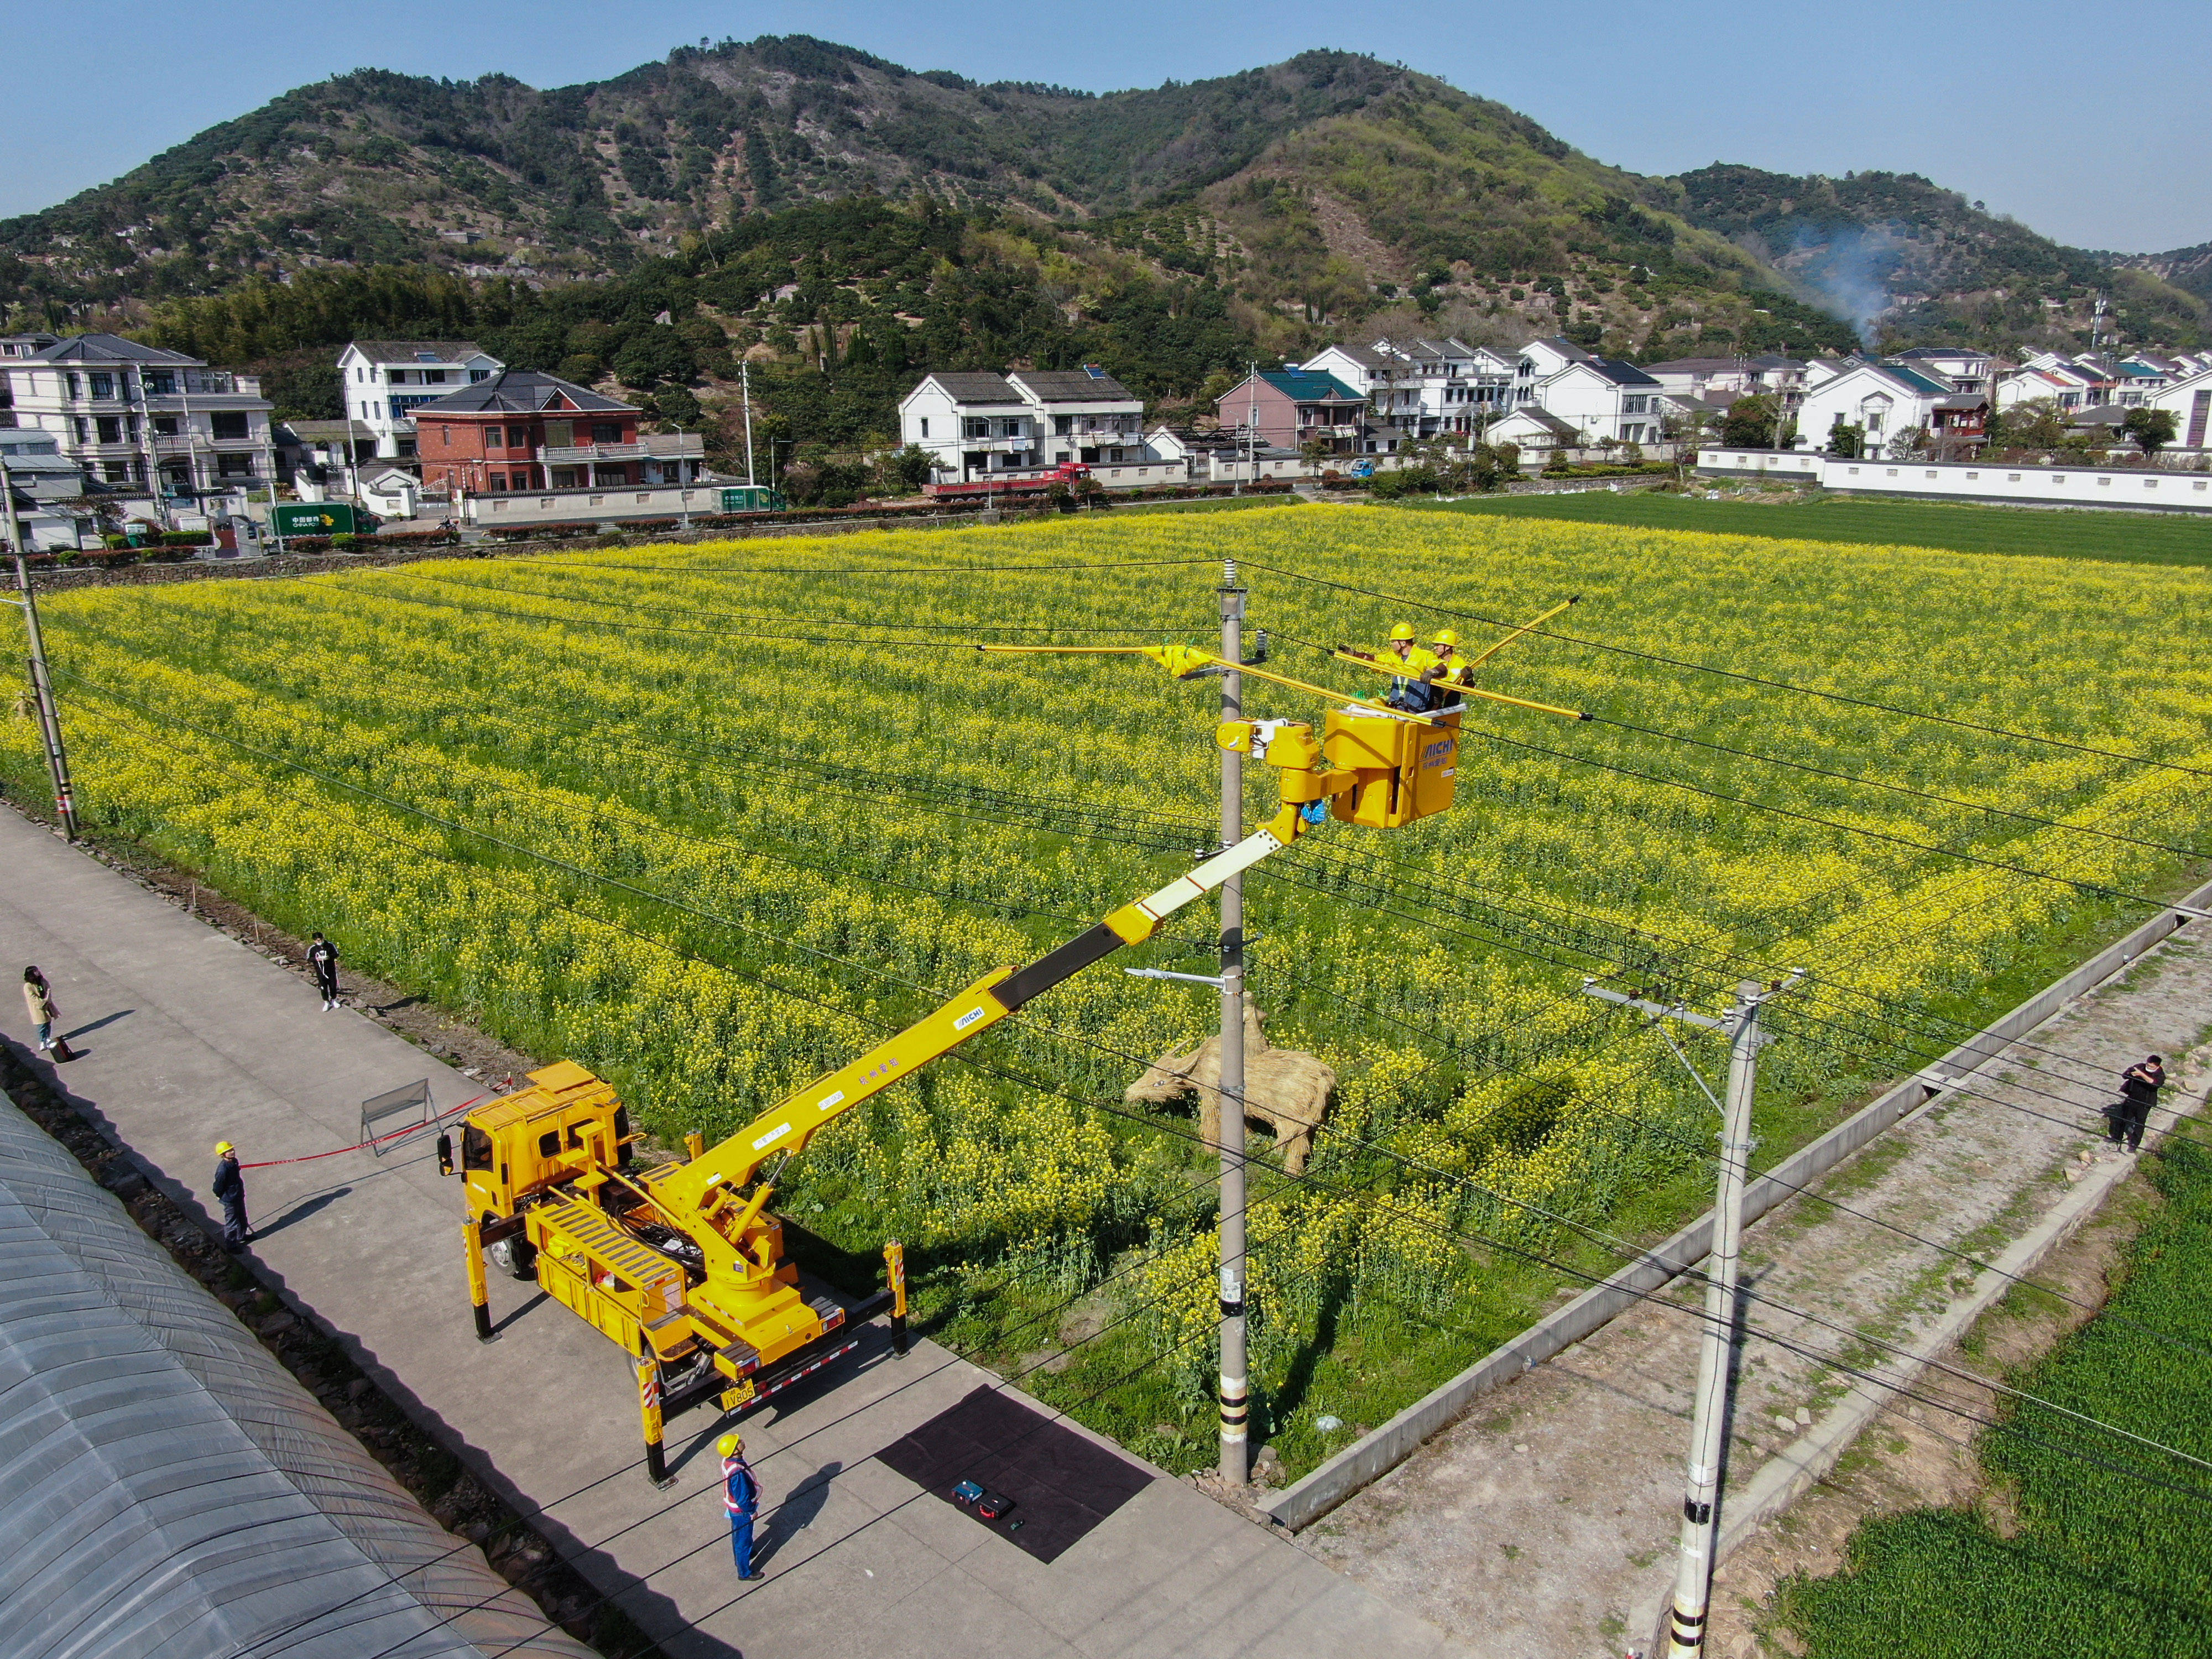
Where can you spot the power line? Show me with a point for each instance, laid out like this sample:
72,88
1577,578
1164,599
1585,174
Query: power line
1863,781
1612,1242
2079,883
412,573
1728,673
1383,1151
664,899
781,939
1288,874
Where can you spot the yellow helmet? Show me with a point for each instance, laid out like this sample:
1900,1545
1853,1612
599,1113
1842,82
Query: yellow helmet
1402,631
730,1446
222,1146
1448,637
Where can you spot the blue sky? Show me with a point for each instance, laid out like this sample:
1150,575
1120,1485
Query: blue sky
2080,119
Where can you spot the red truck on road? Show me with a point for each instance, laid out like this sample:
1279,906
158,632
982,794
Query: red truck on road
1026,483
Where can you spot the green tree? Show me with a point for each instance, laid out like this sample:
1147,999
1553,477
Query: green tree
2035,424
2151,429
1751,420
1847,441
903,471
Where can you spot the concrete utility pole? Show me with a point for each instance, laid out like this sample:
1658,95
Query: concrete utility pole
1251,425
1235,1404
42,688
746,391
1693,1572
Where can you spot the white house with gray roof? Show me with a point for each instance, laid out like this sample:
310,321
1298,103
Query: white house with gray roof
384,382
136,416
1607,401
1422,388
1887,398
978,424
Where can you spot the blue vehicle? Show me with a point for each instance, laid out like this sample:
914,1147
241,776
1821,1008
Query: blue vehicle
1363,469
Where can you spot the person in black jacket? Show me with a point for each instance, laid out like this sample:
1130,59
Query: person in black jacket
229,1185
323,957
2139,1087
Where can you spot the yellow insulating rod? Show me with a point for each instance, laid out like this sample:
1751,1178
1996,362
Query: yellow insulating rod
1382,665
1539,621
1181,659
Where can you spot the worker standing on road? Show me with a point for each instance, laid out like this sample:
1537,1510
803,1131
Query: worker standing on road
229,1185
2139,1087
323,957
741,1498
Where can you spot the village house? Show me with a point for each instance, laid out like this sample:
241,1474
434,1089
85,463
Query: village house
520,430
977,424
1607,401
1714,383
1960,368
1289,408
1421,388
1542,437
385,381
136,416
1887,398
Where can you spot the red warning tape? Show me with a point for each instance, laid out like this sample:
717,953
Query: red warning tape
377,1140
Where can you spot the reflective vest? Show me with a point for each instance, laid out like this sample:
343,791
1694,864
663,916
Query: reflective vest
737,1468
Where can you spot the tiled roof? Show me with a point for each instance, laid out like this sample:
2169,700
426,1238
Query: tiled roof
415,351
1308,386
1542,417
1621,373
1071,385
1913,379
977,387
108,349
1366,356
518,391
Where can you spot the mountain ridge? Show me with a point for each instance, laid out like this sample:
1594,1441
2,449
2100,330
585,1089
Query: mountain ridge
1324,192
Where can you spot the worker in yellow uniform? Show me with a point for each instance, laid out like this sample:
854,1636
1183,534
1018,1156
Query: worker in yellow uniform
1415,689
1452,668
1412,687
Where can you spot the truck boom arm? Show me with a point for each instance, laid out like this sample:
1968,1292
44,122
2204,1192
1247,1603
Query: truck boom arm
787,1126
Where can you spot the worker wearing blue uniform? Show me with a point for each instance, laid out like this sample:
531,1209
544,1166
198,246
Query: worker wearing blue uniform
229,1187
741,1498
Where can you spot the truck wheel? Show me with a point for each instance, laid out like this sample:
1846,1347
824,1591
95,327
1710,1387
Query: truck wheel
515,1257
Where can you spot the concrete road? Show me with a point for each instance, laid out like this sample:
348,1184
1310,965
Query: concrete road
189,1036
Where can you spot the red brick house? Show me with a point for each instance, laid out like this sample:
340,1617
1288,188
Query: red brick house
522,430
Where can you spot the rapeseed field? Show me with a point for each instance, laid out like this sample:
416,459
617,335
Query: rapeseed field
710,818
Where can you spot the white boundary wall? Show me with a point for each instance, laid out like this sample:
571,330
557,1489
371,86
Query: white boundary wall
1374,1455
2164,489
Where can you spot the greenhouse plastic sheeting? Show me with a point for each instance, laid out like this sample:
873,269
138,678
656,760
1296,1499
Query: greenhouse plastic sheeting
167,1491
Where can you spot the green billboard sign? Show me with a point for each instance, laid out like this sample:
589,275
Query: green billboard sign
752,498
313,518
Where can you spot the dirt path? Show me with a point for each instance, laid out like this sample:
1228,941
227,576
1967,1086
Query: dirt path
1544,1523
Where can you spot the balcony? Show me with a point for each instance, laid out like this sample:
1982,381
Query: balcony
653,446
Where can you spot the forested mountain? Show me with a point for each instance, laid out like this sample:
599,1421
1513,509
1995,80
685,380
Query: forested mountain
1909,261
1317,191
2187,268
844,222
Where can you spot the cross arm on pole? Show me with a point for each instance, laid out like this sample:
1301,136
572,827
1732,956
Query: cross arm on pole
1657,1010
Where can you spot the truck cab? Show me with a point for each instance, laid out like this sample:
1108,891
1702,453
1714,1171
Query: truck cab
564,1128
